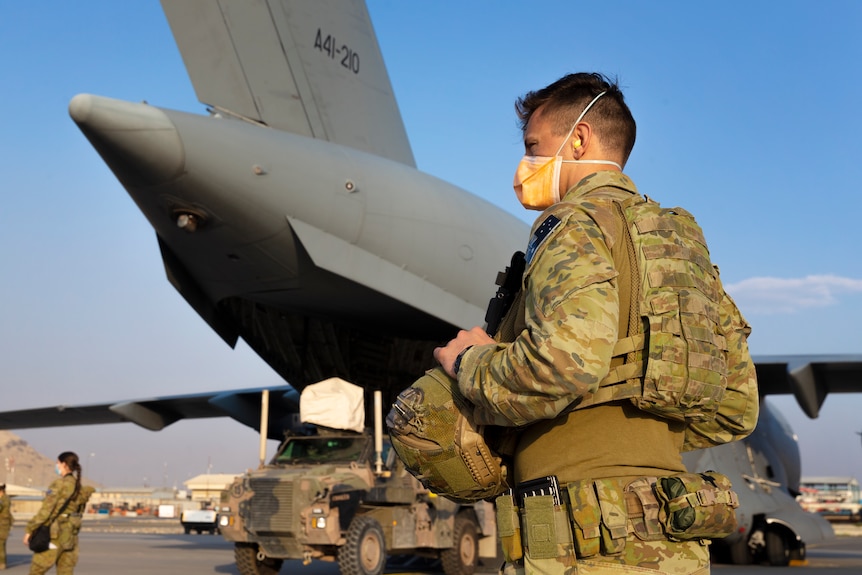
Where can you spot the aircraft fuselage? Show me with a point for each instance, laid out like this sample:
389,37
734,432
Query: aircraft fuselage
250,219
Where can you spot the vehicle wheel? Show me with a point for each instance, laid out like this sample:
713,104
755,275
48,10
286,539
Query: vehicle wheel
188,530
248,564
463,556
365,550
777,549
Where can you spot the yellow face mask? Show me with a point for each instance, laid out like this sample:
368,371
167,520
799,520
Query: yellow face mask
537,179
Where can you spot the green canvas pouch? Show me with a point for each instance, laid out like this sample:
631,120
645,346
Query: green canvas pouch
540,527
586,517
613,508
509,528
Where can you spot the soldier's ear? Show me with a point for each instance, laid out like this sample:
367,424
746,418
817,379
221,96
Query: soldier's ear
581,139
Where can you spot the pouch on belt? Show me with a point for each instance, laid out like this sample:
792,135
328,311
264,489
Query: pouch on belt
613,505
545,524
697,505
509,527
586,517
643,509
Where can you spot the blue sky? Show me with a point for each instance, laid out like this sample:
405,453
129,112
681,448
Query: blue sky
747,116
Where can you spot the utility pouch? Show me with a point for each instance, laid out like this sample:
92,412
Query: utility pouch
697,505
546,528
40,539
586,517
509,527
613,505
643,506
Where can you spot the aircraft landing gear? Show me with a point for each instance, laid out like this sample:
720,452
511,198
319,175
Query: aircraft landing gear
770,544
777,548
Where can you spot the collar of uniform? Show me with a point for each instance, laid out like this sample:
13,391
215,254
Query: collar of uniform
601,179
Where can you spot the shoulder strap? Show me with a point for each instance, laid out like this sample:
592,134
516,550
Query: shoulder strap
627,365
63,508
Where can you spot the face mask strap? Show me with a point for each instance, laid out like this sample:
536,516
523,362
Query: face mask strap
604,162
578,121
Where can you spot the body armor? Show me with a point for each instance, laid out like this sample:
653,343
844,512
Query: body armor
675,319
671,361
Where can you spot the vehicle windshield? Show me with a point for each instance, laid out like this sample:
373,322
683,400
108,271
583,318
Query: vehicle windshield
321,450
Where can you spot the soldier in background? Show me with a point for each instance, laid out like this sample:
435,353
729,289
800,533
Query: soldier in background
611,279
62,508
6,520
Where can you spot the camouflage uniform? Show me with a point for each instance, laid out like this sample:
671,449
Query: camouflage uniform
576,304
64,530
5,525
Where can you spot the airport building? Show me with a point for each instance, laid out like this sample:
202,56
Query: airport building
200,491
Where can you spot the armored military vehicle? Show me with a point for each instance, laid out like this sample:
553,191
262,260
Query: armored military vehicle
336,494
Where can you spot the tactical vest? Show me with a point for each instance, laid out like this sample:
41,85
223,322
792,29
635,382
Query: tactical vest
672,360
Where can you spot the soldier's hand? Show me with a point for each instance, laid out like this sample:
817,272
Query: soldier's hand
446,355
26,538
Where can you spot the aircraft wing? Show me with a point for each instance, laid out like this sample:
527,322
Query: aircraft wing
810,378
242,405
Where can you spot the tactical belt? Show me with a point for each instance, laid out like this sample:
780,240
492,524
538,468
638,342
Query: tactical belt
597,516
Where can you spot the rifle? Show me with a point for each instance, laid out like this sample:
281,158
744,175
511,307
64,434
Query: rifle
509,281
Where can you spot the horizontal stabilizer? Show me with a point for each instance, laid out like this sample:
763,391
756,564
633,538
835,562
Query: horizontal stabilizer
810,378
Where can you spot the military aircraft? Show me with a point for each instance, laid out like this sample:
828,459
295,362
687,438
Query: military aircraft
765,468
293,216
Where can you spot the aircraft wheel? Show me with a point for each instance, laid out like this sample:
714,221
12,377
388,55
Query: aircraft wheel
798,553
463,556
248,564
365,550
777,549
740,553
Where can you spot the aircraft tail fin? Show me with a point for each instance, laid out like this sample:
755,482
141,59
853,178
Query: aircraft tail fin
311,68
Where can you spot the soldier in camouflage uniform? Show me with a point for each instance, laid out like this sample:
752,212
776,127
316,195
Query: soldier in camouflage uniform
582,299
63,506
5,523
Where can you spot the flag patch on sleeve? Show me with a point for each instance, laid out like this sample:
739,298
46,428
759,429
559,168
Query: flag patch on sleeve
545,228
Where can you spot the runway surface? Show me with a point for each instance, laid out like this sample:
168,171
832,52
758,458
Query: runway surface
104,553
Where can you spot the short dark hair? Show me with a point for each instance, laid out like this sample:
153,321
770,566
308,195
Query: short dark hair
566,98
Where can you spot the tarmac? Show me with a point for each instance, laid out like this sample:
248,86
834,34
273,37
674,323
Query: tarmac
135,545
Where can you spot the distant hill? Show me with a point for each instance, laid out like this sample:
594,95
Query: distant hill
22,465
